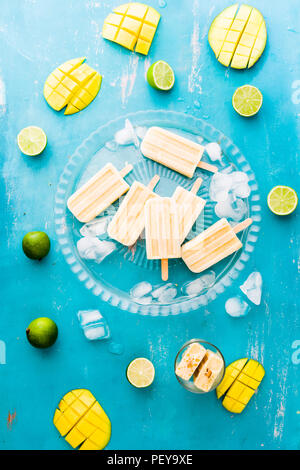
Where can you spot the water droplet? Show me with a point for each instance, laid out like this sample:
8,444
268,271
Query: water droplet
116,348
162,3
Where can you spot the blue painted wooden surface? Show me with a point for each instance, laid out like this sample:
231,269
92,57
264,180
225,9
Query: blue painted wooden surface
36,36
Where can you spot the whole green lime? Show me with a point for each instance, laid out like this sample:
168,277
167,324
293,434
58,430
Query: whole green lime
42,332
36,245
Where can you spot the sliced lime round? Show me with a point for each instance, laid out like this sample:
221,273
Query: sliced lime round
282,200
32,140
140,372
247,100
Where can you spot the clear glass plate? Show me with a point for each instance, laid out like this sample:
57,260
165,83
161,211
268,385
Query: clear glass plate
114,278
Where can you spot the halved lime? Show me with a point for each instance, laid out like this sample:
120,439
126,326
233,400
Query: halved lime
161,76
247,100
282,200
32,140
140,372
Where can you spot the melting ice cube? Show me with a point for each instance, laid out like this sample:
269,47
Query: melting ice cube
252,287
96,227
199,285
92,248
214,151
219,187
127,135
165,293
93,324
141,131
236,307
141,289
234,209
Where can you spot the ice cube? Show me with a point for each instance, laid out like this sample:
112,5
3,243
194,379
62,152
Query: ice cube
141,131
252,287
237,307
214,151
116,348
141,289
112,145
199,285
239,184
93,324
165,293
96,227
146,300
231,208
92,248
219,187
127,135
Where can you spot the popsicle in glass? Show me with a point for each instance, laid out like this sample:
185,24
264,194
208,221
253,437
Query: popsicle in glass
190,207
190,360
212,245
162,231
129,221
99,192
208,371
175,152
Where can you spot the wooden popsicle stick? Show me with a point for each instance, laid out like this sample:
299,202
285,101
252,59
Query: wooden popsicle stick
127,169
164,269
196,185
242,225
153,182
207,166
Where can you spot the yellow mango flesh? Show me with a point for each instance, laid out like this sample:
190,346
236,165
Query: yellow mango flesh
238,36
82,421
241,380
73,84
132,25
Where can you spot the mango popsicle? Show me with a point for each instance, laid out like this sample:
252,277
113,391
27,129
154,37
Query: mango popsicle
129,221
99,192
162,231
190,207
208,371
175,152
212,245
190,360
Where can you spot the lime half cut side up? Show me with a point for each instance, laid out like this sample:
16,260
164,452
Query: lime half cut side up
282,200
32,140
161,76
247,100
140,372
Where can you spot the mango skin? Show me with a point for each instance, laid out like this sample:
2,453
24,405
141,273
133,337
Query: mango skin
73,85
81,420
238,36
241,380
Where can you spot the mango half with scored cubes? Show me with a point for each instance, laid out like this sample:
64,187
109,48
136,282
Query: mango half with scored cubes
241,380
238,36
81,420
132,25
73,84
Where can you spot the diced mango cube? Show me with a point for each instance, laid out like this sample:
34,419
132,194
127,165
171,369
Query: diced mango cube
137,10
114,19
147,32
152,17
142,46
75,438
131,25
126,39
109,31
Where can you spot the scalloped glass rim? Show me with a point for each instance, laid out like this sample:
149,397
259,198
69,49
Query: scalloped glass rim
90,145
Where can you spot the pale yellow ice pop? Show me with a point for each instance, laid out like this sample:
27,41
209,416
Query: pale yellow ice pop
175,152
129,221
212,245
162,231
208,371
190,360
99,192
190,207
